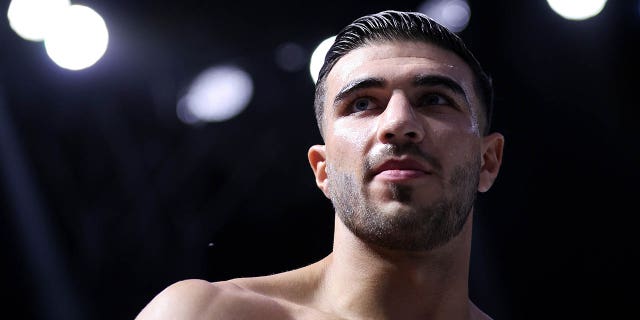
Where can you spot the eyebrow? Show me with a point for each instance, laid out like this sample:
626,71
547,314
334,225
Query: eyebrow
422,80
358,84
439,80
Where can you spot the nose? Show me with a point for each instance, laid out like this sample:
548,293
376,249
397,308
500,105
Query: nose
399,124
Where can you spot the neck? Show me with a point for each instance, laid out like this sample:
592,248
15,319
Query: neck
377,283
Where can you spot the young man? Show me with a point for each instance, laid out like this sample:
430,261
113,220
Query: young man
404,110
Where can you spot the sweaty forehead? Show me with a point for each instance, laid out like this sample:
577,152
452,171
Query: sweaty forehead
398,61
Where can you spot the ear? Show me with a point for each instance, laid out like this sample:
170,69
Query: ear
492,146
318,161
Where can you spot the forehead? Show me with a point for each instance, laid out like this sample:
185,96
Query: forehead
398,63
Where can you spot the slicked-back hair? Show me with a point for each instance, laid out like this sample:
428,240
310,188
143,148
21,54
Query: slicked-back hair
391,25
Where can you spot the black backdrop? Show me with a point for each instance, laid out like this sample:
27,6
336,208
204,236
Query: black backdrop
107,197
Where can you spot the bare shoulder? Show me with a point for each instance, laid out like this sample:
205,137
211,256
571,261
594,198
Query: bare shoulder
183,299
199,299
477,314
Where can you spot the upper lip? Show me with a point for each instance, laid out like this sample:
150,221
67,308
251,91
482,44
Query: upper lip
401,164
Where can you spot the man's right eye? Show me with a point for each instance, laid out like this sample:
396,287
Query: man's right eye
362,104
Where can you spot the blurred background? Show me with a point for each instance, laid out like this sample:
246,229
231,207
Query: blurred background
146,142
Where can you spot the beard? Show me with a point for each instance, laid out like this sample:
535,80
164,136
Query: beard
412,227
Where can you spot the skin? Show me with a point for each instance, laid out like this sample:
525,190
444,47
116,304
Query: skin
397,275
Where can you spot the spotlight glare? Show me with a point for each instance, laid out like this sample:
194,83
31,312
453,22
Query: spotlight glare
77,39
31,19
217,94
577,9
317,58
453,14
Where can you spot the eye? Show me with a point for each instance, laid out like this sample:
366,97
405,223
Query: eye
434,99
362,104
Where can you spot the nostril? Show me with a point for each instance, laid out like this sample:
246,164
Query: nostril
388,135
411,134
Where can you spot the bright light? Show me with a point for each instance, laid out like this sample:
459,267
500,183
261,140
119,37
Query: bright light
453,14
577,9
77,39
30,19
217,94
317,58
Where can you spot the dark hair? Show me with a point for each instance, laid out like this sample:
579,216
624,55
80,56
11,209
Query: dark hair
393,25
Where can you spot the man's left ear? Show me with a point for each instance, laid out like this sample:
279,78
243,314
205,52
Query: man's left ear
492,146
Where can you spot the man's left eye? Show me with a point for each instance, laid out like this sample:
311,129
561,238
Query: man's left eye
434,99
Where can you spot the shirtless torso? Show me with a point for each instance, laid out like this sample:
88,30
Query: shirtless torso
314,292
247,298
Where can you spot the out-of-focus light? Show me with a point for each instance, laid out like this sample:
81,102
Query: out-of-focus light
453,14
290,57
31,19
77,39
317,58
577,9
217,94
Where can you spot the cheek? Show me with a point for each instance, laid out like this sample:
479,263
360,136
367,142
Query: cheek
464,124
347,142
456,146
352,131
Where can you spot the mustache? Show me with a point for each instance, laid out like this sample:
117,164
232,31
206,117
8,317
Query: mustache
387,151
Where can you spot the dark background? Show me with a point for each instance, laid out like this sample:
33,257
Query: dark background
107,198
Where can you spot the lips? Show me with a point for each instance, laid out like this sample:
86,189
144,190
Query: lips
401,169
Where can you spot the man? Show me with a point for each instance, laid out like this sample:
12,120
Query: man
404,110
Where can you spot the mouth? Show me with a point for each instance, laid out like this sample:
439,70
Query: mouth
400,170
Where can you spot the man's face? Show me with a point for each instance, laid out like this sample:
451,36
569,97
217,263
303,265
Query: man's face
403,149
